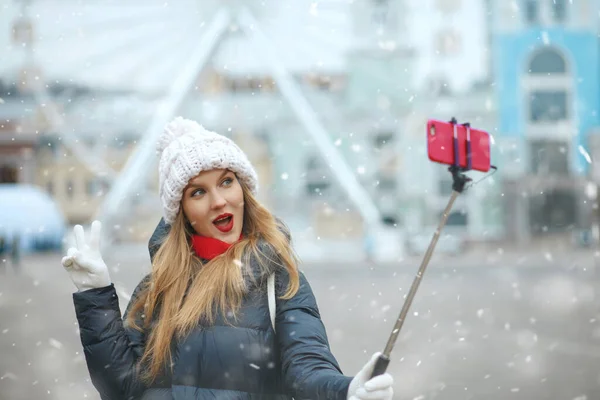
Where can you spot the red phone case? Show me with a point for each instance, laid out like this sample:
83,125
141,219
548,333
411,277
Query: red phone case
440,145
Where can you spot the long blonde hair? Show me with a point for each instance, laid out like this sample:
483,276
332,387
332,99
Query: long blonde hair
183,292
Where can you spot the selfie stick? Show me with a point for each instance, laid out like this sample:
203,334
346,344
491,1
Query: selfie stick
459,181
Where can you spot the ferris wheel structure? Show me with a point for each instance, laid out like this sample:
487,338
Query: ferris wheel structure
158,49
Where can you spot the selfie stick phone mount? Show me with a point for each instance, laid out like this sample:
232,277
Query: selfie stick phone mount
459,180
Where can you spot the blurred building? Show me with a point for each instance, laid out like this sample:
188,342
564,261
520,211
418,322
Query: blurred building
454,79
20,113
546,66
18,138
108,124
20,118
42,138
373,70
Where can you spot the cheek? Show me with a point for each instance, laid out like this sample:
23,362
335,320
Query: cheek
239,198
195,212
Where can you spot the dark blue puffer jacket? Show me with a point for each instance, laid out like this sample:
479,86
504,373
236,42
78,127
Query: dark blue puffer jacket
246,361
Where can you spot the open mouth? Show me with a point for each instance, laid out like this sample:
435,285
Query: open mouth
224,222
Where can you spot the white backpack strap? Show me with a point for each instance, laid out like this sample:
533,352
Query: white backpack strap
271,294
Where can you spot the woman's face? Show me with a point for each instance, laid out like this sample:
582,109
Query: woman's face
213,202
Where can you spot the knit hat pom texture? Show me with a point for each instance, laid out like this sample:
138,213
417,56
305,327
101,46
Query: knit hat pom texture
186,148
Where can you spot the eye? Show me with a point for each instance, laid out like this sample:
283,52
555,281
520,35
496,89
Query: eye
197,192
227,181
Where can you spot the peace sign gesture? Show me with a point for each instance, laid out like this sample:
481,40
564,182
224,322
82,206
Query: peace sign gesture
84,262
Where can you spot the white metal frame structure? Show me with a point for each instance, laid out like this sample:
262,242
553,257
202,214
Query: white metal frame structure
81,151
309,119
57,123
144,155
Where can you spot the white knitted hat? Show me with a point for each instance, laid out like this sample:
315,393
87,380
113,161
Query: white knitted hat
186,149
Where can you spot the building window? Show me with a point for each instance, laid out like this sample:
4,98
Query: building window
549,157
445,185
448,43
547,61
547,106
328,83
456,218
439,86
552,211
559,10
93,187
380,13
209,81
22,30
316,188
50,147
531,11
389,220
385,158
584,14
317,180
386,183
382,139
8,174
124,141
250,84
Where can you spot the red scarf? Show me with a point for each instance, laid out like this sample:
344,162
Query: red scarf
208,248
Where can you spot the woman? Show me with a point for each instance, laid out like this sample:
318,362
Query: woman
198,326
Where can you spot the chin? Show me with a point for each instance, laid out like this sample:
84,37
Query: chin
230,240
229,237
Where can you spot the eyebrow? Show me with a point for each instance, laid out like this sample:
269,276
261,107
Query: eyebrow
194,185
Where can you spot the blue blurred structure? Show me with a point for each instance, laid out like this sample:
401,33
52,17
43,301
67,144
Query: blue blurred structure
546,65
30,213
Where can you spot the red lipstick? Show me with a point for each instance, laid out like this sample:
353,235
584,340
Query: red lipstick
224,222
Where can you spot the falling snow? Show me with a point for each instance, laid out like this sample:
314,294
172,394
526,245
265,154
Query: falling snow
508,305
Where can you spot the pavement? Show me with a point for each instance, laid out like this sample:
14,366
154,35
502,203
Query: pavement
491,324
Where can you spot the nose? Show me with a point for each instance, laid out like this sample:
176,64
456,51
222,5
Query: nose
217,201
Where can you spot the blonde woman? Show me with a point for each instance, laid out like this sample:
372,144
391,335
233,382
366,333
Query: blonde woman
204,323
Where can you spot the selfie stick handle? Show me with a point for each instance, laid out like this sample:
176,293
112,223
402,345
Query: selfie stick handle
459,181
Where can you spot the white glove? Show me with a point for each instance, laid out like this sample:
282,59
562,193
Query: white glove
84,263
364,388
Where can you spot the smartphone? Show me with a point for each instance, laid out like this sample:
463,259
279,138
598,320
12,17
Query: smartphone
440,145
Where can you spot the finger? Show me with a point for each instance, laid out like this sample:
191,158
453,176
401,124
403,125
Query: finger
379,382
385,394
77,261
79,236
95,235
67,262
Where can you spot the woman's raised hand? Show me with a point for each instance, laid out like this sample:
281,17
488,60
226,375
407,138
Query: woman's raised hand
84,262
